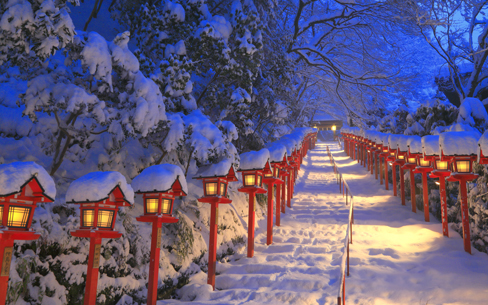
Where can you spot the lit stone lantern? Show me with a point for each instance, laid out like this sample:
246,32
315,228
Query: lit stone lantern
460,149
99,194
159,185
277,154
425,166
22,186
414,144
393,149
401,160
216,179
252,167
441,170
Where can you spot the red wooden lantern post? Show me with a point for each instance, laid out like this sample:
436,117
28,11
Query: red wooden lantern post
24,185
385,153
253,165
277,156
159,185
441,171
414,144
99,194
345,136
292,170
401,159
216,179
460,148
392,149
424,166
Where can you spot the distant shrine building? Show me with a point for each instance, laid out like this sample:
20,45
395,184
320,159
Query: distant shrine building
324,121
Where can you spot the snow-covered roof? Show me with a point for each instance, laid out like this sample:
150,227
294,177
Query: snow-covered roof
159,178
97,186
276,152
15,175
384,138
221,169
459,143
393,141
430,146
415,144
402,143
483,144
254,160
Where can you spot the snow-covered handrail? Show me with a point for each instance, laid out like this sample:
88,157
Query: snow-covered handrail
346,191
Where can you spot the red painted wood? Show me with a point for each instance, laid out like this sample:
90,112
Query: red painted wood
425,190
269,235
465,216
250,226
152,287
381,170
402,185
278,204
393,177
412,191
445,224
387,183
212,245
91,274
4,279
284,195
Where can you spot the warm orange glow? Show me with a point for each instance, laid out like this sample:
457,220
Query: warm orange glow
211,188
463,166
88,218
1,214
105,218
151,205
441,165
412,160
401,157
166,208
333,127
18,216
260,180
423,162
249,180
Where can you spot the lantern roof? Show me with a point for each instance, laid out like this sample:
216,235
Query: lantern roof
430,145
402,143
16,175
415,144
98,186
393,141
254,160
160,178
277,152
224,168
483,144
384,138
459,143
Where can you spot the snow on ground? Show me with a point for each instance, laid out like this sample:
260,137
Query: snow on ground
396,257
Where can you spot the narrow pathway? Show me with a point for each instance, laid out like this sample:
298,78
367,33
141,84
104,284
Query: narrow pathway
396,257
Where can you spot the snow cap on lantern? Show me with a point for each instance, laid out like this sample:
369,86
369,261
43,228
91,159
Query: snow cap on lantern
27,183
414,144
253,166
277,157
483,149
216,177
160,184
460,148
99,195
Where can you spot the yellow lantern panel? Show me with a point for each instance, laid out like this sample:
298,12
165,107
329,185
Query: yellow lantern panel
223,189
88,218
105,218
401,157
334,127
249,180
211,188
441,165
18,216
260,180
392,153
268,175
152,205
166,207
412,160
276,172
1,214
385,149
423,162
463,166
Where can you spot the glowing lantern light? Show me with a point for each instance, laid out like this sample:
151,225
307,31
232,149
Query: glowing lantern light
27,184
99,194
221,174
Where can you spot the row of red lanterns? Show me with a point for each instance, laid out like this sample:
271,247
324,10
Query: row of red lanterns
100,194
448,156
